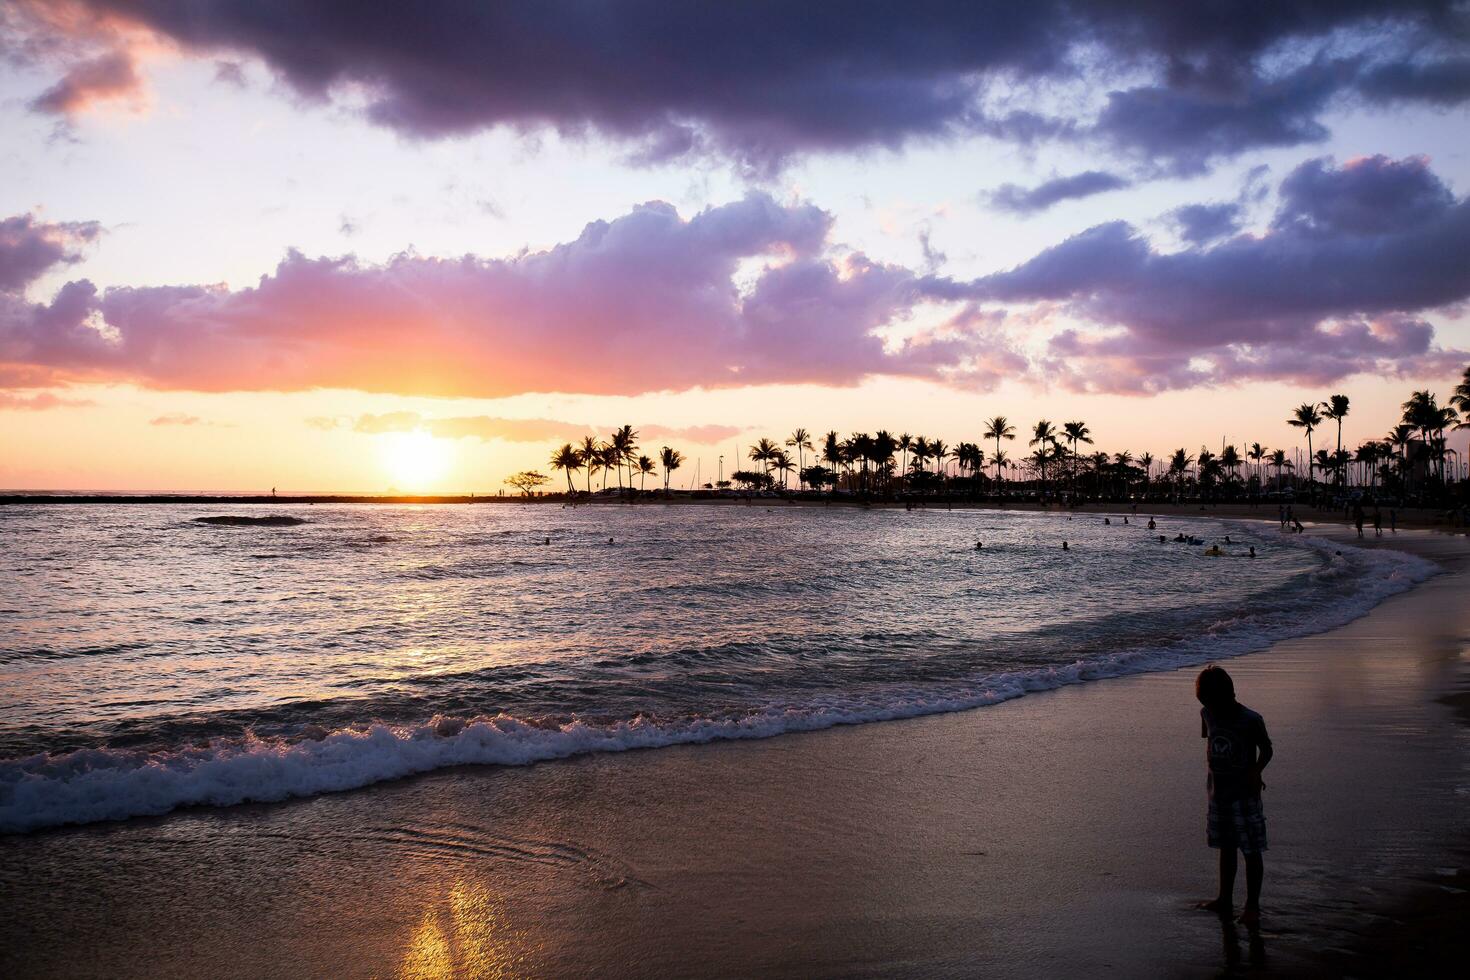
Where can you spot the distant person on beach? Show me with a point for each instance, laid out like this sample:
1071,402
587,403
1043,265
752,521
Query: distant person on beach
1358,518
1393,520
1377,522
1237,751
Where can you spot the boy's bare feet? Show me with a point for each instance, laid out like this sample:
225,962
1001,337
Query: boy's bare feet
1250,917
1219,906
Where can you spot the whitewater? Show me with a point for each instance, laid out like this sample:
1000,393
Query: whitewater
150,660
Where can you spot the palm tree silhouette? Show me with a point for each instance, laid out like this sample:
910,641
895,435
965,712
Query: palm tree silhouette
1308,418
625,442
1044,436
644,466
1076,432
781,463
1255,454
671,459
591,453
1336,408
999,428
904,444
801,441
569,460
1146,463
1278,460
1461,399
764,452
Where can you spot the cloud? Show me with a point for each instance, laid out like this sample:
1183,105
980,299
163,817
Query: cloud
1200,224
29,248
177,418
485,428
759,82
754,292
648,301
109,77
39,402
1024,200
1351,255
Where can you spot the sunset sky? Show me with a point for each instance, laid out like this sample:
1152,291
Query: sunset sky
247,243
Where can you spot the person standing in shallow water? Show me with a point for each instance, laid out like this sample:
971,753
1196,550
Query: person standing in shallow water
1237,751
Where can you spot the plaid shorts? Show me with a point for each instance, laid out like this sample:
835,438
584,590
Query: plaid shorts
1237,824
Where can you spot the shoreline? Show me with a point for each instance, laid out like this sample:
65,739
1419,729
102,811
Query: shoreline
951,843
1431,518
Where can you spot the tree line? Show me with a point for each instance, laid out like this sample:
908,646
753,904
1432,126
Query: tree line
1410,458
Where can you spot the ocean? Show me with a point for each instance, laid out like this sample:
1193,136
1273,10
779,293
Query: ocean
150,660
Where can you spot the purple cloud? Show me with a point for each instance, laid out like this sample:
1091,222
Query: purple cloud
1200,224
762,80
29,248
1353,252
648,301
1029,200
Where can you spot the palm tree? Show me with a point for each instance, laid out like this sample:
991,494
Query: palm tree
1231,461
764,452
1044,435
801,441
1308,418
782,464
904,444
611,459
921,451
1255,454
625,443
1178,467
1461,399
591,453
1278,460
1076,432
939,452
1146,462
832,455
1336,408
567,459
645,467
671,459
999,428
884,447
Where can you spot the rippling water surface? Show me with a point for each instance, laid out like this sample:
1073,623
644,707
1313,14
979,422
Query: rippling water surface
148,660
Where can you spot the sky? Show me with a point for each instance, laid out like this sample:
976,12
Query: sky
368,246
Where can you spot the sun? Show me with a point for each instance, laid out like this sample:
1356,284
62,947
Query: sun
415,460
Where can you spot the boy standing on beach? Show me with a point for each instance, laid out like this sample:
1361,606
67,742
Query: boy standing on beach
1237,750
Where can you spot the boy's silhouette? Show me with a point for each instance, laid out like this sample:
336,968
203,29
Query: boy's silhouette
1237,750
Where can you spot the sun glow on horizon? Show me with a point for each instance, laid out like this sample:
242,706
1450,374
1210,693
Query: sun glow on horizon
415,460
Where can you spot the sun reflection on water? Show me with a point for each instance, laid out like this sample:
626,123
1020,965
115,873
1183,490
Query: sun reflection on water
478,939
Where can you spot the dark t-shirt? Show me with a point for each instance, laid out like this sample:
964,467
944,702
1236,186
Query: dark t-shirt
1232,745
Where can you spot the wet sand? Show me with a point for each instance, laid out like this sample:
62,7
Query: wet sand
1058,834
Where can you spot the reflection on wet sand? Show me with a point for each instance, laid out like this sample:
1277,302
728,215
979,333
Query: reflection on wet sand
477,941
1255,944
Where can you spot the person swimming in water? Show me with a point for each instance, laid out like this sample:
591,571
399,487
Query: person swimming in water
1108,521
1163,540
1180,538
1253,551
1064,546
1151,524
1214,551
979,545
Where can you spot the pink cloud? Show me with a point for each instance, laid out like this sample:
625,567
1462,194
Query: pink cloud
107,78
648,301
39,402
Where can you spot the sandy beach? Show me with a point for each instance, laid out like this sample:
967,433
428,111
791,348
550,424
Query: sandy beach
1057,834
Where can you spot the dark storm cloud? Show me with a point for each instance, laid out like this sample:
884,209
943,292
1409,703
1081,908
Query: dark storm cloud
1029,200
1351,252
761,80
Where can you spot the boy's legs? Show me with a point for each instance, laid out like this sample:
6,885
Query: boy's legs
1255,870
